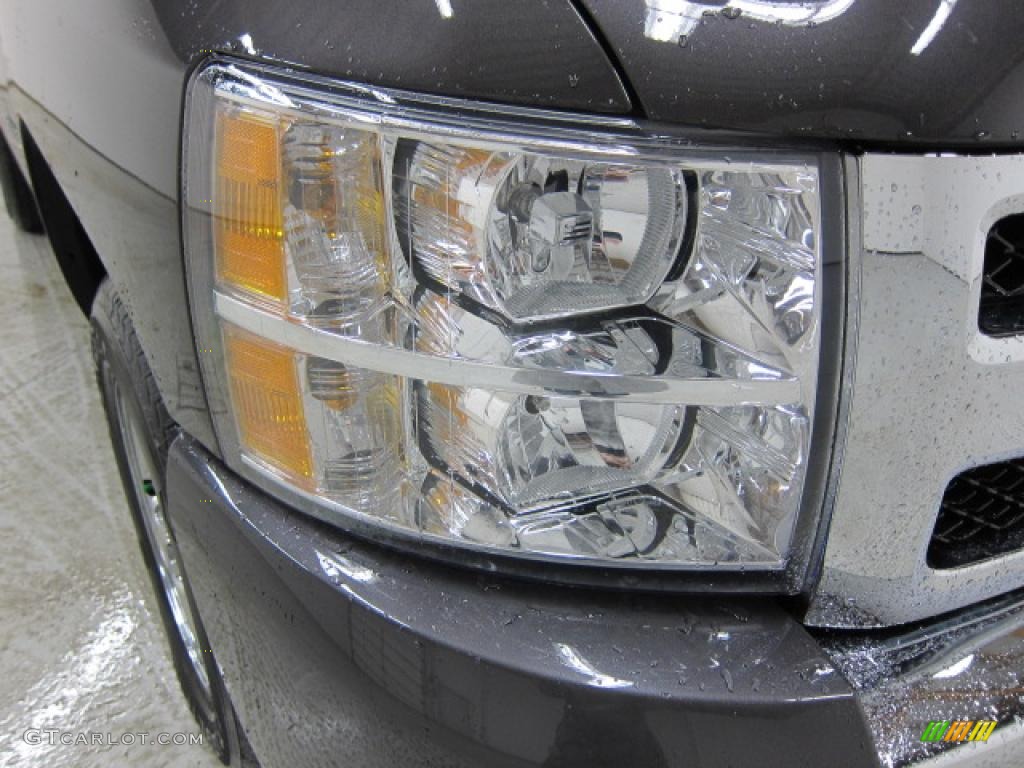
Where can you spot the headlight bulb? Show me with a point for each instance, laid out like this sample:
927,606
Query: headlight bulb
552,236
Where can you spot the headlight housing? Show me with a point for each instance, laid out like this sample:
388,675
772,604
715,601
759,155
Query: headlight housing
524,334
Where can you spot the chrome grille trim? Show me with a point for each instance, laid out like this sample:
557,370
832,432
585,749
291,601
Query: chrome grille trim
932,396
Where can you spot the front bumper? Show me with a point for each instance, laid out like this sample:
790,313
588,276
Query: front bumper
337,651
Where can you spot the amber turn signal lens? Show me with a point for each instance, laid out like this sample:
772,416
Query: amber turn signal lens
267,404
247,205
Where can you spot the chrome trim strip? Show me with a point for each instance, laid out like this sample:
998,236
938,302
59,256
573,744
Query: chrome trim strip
486,375
845,356
932,396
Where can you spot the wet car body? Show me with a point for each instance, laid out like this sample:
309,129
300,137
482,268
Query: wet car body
337,649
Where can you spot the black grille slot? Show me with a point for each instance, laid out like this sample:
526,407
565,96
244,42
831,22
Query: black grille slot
1001,312
982,516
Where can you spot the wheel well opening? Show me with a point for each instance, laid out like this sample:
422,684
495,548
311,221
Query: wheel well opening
77,257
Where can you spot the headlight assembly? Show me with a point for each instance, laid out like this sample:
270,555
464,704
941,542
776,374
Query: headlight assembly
517,332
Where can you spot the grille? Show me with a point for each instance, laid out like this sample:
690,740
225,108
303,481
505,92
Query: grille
1001,312
982,516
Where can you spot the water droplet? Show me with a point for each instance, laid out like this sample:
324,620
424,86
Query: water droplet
574,80
683,40
727,676
982,135
732,12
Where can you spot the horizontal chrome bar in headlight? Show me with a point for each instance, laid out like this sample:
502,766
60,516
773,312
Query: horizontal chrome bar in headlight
764,386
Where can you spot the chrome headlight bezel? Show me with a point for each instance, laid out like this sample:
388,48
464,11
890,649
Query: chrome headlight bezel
435,118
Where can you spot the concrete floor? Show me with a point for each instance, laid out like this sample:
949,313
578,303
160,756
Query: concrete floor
81,646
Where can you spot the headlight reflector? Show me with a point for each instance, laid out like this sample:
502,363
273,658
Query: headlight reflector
540,237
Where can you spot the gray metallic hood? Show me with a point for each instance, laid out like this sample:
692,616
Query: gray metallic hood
537,54
940,72
900,72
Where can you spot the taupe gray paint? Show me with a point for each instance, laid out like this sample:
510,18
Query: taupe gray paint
99,87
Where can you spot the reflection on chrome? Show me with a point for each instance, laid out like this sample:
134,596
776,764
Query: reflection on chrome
572,659
956,668
670,20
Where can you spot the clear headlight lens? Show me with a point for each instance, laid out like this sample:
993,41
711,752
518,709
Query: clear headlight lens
564,344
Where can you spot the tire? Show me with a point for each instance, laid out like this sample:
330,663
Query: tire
141,432
18,197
